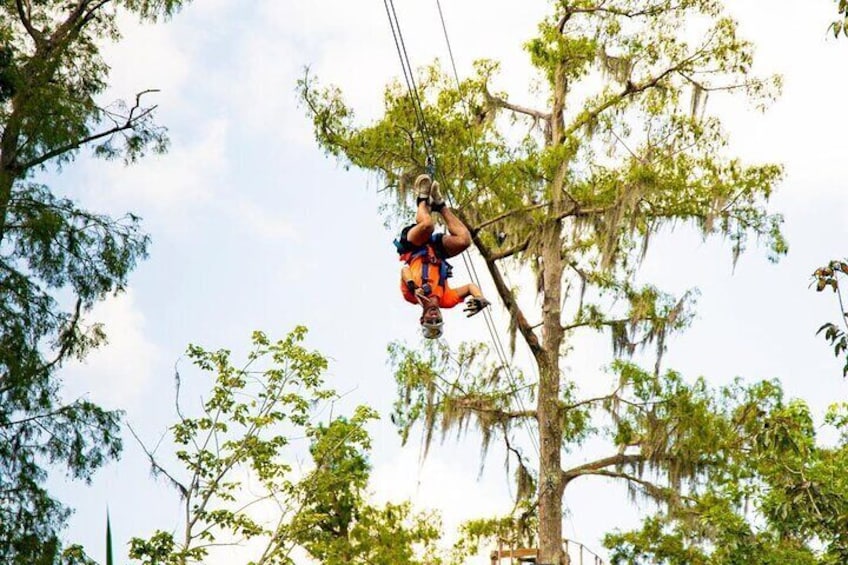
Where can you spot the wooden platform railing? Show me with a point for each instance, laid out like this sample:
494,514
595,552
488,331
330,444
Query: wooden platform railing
577,553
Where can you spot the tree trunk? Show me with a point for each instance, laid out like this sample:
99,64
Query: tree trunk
548,405
8,153
550,467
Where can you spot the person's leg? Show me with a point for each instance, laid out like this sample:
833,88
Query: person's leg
458,237
420,233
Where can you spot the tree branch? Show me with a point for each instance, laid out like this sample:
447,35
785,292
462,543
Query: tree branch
505,293
505,215
511,251
575,210
598,323
130,123
37,417
593,467
629,90
68,342
580,403
518,109
157,468
24,15
471,404
578,212
652,489
77,18
649,11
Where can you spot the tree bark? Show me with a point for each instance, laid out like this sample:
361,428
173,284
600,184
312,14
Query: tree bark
8,148
548,404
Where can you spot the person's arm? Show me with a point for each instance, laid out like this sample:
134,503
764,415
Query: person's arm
467,290
408,280
474,304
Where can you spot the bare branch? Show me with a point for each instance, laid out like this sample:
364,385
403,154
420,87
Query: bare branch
474,405
128,124
595,323
593,467
580,403
157,468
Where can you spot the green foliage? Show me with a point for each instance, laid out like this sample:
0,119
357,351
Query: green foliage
56,258
631,160
699,453
243,434
617,147
445,391
828,277
778,497
516,530
840,26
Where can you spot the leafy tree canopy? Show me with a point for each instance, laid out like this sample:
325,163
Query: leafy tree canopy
616,145
782,498
246,433
56,258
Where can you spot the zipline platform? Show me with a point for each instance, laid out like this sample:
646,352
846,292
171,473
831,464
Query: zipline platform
522,555
576,554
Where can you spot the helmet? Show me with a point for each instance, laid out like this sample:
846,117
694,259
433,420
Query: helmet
431,322
431,330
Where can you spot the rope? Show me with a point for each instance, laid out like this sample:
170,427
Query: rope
428,143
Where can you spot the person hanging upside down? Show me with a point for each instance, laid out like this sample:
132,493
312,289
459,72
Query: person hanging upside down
426,270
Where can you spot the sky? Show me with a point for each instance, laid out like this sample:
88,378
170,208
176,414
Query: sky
253,227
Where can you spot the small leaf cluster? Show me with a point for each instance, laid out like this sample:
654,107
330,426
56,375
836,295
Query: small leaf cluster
840,26
834,334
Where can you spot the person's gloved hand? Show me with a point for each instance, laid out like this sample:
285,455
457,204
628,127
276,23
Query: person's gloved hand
473,305
425,298
421,293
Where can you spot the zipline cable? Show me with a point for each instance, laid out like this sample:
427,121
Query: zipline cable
470,264
409,78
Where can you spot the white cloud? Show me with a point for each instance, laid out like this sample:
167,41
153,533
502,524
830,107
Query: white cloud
165,184
116,373
259,221
148,56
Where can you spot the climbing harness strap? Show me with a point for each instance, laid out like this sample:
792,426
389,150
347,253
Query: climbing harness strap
428,257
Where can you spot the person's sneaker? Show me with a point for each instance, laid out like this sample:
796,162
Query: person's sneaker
423,184
436,198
